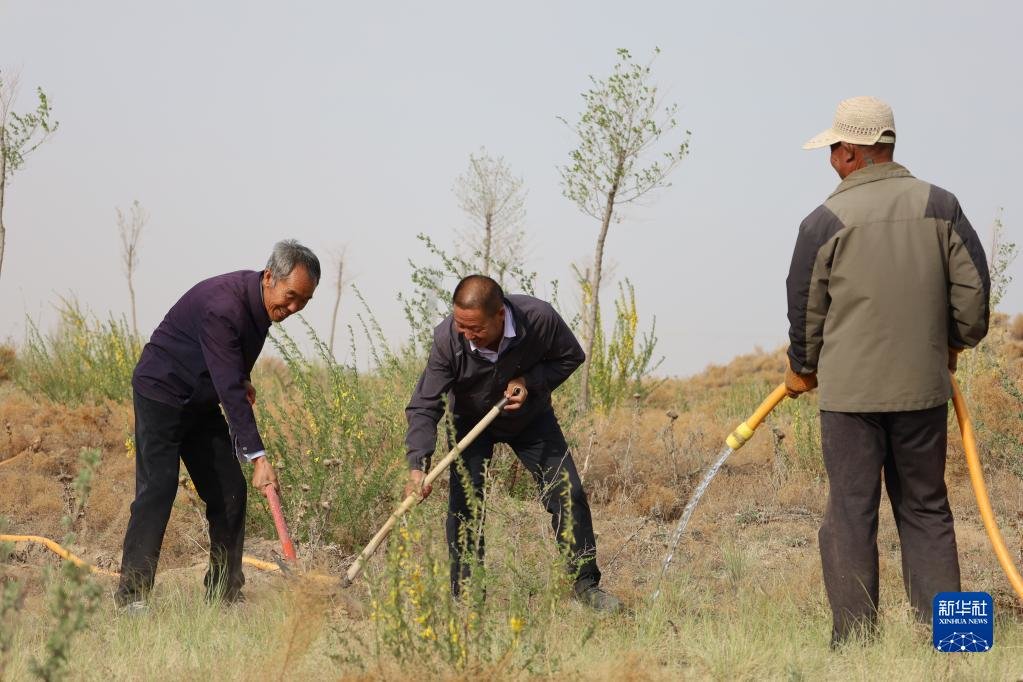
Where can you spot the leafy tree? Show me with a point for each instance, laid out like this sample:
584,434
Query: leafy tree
626,148
20,135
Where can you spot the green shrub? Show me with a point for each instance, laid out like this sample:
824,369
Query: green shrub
497,625
336,439
621,363
802,450
83,360
432,285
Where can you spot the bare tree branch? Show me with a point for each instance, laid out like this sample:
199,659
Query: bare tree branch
130,228
339,260
494,199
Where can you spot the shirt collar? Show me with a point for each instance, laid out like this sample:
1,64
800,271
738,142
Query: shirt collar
872,173
509,331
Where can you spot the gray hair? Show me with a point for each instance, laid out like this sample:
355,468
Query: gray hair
287,254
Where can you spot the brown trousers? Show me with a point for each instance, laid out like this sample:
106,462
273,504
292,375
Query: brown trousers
910,449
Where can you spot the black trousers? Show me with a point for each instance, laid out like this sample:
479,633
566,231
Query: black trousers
542,449
910,449
200,438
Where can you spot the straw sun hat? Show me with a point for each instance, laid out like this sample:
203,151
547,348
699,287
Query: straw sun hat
858,120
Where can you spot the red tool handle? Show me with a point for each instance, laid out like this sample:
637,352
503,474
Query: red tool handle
287,546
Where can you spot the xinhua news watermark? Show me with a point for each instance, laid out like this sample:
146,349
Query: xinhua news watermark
964,622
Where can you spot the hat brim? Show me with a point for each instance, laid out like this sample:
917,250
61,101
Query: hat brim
823,139
831,136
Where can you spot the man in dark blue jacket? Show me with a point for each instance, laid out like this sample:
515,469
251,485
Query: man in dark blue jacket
198,361
515,346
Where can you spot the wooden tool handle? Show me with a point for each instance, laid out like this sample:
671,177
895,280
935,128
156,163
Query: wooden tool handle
416,497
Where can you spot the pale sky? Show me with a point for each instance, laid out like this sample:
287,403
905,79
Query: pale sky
240,123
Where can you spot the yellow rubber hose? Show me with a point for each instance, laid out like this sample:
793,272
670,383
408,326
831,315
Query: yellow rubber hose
56,549
60,551
980,491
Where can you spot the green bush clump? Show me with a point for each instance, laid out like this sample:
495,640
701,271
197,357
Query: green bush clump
336,439
83,359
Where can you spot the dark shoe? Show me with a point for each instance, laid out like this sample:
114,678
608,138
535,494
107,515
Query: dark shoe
597,599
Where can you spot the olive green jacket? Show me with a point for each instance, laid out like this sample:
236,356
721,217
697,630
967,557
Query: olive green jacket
886,275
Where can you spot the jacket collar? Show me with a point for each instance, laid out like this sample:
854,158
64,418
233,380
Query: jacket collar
520,324
254,294
880,171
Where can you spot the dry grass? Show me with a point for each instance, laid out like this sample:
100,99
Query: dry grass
39,448
744,599
1014,347
8,357
749,607
1016,328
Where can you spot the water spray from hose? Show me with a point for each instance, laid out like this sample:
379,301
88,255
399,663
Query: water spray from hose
742,433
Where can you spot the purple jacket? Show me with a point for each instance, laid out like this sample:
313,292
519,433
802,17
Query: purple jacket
544,352
204,350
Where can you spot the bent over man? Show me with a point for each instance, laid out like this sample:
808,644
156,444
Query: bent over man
515,346
198,361
888,283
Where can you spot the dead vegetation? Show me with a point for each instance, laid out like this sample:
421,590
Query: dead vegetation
39,448
750,548
7,358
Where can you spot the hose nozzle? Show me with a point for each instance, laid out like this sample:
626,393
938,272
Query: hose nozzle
743,432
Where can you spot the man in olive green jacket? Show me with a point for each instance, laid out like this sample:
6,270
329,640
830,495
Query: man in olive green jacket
888,283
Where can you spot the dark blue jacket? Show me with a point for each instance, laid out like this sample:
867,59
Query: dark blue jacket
544,352
204,350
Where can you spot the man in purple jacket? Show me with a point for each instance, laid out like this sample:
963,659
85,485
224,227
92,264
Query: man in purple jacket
493,346
198,361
